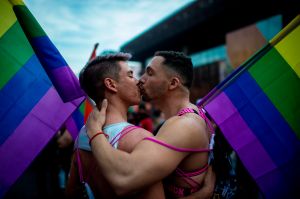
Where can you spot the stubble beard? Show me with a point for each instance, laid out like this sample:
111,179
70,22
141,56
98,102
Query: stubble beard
144,96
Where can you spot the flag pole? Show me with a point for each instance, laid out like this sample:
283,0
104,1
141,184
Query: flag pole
93,55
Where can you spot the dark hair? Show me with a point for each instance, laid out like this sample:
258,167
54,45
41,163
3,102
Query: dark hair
180,63
92,75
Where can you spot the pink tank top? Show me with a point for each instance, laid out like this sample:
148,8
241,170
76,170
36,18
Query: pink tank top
187,176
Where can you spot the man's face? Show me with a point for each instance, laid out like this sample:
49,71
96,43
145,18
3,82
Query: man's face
127,85
154,82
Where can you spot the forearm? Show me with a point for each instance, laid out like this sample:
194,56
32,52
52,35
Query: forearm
154,191
115,165
130,172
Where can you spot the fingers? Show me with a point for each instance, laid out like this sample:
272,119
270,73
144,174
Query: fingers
211,176
96,119
210,181
103,106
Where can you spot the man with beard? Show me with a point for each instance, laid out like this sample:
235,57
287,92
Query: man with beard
180,151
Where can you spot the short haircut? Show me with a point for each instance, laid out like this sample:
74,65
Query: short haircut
92,76
180,63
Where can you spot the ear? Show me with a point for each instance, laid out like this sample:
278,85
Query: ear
110,84
174,83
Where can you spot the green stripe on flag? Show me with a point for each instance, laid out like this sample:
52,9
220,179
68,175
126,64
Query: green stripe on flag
14,41
82,108
281,84
32,26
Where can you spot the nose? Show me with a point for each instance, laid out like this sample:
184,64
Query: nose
142,79
139,83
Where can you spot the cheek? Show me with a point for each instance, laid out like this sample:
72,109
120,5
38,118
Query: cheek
133,87
159,83
150,82
157,87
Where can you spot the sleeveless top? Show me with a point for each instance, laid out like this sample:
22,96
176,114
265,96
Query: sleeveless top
114,131
175,190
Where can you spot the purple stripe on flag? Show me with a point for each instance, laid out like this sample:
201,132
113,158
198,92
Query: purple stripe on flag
274,183
15,105
72,127
29,138
62,77
66,83
224,113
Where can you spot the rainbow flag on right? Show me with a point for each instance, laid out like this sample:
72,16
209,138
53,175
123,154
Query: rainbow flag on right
257,109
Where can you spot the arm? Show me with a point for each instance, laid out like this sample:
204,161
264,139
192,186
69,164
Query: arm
148,162
131,139
207,190
128,172
155,191
127,143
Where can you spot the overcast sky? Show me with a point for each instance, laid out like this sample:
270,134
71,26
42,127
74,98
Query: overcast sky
74,26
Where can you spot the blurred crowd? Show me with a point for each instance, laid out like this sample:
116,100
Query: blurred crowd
146,116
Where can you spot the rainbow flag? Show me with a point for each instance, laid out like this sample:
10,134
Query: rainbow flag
85,109
79,117
75,122
62,77
257,109
31,109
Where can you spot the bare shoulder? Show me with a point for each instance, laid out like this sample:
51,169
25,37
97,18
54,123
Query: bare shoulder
131,139
190,123
188,131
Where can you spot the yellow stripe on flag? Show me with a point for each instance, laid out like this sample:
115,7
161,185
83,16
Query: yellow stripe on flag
7,16
16,2
289,47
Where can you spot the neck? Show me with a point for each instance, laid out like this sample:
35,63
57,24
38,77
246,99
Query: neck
116,111
171,105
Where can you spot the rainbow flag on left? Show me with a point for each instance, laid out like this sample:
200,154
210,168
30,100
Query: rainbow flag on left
32,110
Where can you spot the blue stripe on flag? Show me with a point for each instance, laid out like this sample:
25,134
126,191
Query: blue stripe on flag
28,89
47,53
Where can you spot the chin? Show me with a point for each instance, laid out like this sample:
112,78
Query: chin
138,102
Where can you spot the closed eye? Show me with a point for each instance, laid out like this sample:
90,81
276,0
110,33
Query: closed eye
149,71
130,74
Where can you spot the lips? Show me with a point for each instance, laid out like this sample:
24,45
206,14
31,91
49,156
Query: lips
142,90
